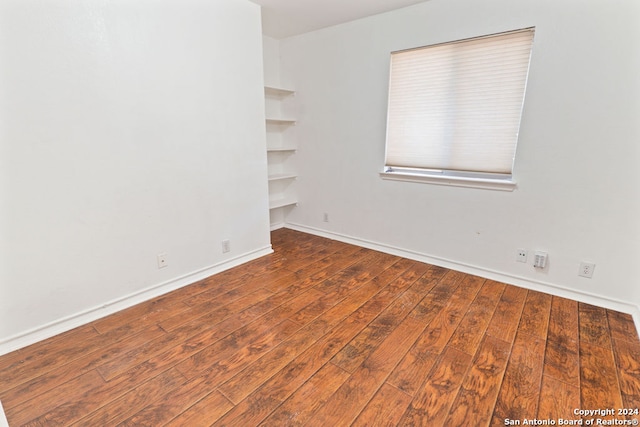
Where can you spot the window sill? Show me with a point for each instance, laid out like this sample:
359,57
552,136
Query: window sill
455,181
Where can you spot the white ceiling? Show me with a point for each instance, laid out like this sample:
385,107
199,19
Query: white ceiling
285,18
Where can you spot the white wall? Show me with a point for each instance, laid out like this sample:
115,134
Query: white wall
271,61
577,160
127,129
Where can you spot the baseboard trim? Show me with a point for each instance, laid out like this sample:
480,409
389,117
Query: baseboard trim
56,327
524,282
276,226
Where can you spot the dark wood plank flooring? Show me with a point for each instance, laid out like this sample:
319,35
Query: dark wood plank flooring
322,333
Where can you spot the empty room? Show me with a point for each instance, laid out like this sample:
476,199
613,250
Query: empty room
323,213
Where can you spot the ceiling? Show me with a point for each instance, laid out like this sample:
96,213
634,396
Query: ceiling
285,18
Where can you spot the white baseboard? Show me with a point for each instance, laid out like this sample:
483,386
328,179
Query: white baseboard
523,282
277,225
67,323
3,419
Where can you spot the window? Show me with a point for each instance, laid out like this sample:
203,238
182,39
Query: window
454,110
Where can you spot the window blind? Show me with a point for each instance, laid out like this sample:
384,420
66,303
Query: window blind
457,106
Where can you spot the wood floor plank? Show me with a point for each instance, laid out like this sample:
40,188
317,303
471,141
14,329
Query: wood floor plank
169,407
299,407
364,300
358,273
66,372
24,358
204,412
222,282
385,409
194,334
52,400
593,325
518,397
622,326
535,315
599,387
62,353
223,306
411,371
506,318
627,358
218,297
252,334
144,314
562,353
222,370
260,403
278,388
357,351
352,319
472,327
557,400
265,343
299,264
432,402
216,350
349,400
116,411
351,275
479,390
322,270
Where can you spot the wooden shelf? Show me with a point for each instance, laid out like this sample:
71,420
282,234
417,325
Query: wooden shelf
274,121
281,203
281,176
277,91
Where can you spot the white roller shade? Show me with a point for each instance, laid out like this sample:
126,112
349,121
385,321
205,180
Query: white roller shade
457,106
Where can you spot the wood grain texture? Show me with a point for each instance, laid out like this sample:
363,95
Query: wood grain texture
361,305
627,361
599,387
384,409
562,353
279,387
128,404
506,318
355,353
479,390
349,400
433,400
472,327
299,407
557,399
518,397
443,320
622,326
594,326
204,412
325,333
535,315
62,374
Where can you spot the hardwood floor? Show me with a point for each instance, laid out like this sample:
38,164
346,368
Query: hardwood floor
322,333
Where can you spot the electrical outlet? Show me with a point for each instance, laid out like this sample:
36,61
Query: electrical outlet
226,246
521,255
162,261
586,269
325,217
